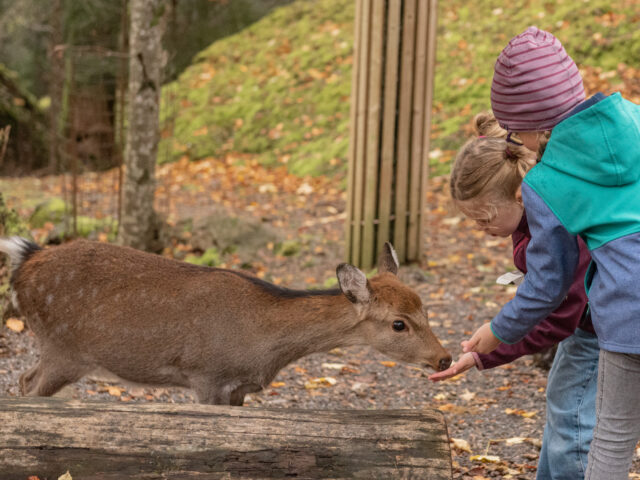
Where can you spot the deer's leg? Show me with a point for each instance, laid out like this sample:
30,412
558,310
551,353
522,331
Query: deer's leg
49,376
212,394
29,378
237,396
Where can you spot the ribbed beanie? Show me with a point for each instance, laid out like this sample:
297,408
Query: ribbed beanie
535,83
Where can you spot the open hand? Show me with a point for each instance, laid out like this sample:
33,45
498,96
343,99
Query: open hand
464,363
483,341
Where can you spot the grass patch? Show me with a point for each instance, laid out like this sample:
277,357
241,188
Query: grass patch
280,89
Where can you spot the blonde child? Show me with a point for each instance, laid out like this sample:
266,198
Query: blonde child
586,184
485,185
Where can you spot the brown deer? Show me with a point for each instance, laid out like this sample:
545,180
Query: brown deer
222,333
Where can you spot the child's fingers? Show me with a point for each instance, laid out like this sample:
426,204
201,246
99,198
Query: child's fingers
445,374
470,345
464,363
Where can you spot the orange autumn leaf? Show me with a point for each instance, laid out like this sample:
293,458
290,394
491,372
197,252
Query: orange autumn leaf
15,325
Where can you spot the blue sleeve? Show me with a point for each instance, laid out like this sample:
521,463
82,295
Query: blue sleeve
552,259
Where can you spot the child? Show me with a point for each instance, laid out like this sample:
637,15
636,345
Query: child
588,184
485,185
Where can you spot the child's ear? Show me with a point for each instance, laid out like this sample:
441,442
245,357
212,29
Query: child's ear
519,195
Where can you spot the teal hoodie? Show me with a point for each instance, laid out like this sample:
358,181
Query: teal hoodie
589,173
588,184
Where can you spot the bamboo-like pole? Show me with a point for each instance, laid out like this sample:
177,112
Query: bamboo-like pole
361,130
390,113
388,148
404,127
351,175
429,77
376,64
417,131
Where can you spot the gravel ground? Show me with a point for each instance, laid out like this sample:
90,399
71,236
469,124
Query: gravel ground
456,282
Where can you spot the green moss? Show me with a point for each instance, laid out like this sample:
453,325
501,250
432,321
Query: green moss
210,258
53,211
272,90
280,89
88,227
289,248
10,222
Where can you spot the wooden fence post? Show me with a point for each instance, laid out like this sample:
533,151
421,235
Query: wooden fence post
391,96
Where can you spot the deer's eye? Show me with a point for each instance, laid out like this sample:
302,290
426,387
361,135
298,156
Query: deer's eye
399,325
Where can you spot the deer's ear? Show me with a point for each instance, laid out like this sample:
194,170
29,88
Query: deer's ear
388,259
353,283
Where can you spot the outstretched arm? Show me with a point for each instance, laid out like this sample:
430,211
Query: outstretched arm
552,258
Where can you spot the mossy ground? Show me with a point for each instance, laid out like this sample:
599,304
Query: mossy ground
280,89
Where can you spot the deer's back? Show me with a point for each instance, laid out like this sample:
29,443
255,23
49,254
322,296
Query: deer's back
88,291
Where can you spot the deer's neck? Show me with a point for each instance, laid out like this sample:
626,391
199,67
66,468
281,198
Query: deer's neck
313,324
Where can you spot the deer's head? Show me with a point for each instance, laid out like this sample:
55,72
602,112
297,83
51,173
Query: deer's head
391,315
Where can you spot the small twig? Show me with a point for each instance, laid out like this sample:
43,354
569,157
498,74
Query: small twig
4,141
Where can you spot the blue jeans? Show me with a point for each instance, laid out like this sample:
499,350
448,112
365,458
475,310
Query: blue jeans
618,419
571,408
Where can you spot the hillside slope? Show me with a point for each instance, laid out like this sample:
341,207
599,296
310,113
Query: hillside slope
280,89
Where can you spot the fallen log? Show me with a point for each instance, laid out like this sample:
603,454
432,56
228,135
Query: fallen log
45,437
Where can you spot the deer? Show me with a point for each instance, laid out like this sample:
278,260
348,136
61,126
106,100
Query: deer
224,333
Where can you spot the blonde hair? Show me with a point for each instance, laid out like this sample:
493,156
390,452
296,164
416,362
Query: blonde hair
489,166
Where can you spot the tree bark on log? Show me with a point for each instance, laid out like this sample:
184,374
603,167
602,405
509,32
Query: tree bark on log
102,440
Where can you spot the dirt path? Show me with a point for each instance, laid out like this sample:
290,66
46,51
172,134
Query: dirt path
499,413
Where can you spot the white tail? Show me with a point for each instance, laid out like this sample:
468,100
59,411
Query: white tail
18,249
223,333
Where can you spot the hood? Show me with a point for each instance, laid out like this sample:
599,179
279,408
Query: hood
600,145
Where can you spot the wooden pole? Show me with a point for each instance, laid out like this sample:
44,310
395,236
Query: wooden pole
351,175
429,77
417,131
361,130
391,98
404,128
46,437
371,158
388,148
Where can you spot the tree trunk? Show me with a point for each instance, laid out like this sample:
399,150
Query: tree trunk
56,74
98,441
139,226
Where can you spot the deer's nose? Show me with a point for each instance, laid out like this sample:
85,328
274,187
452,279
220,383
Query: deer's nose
444,363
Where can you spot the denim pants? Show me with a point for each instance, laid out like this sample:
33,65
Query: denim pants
618,417
571,408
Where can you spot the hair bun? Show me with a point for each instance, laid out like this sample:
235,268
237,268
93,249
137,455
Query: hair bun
485,124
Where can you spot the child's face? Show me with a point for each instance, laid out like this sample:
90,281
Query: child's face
531,140
499,219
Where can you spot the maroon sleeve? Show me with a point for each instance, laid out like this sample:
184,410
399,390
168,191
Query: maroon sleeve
557,326
520,243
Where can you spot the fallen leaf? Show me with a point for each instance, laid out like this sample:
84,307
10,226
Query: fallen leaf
461,444
268,188
520,412
457,409
320,382
304,189
388,364
485,458
115,391
15,325
334,366
66,476
515,440
277,384
467,396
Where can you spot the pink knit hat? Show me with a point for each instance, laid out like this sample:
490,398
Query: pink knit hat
535,83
